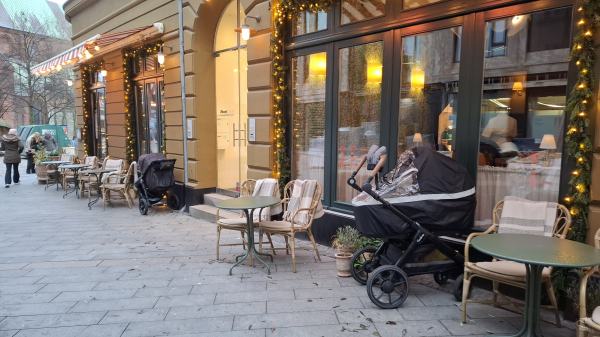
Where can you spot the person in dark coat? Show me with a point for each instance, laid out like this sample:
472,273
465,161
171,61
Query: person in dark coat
50,143
12,147
33,145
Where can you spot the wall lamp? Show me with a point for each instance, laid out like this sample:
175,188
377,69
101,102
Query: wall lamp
103,70
245,29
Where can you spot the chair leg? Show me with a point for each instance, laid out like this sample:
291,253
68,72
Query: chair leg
243,240
495,292
126,195
260,240
218,238
287,246
465,296
312,239
293,240
103,199
550,289
271,242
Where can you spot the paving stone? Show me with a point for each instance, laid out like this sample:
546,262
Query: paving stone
13,272
60,287
411,301
27,298
334,330
477,310
413,329
229,287
430,313
130,284
20,289
254,296
437,299
166,291
122,304
283,320
70,264
221,279
330,292
249,333
547,329
52,332
185,300
50,321
66,271
35,309
367,315
138,315
480,326
298,284
178,327
104,330
316,304
217,310
10,266
165,275
93,295
8,333
132,262
143,268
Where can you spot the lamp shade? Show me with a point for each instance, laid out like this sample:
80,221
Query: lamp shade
245,30
417,79
374,72
548,142
417,138
318,64
517,86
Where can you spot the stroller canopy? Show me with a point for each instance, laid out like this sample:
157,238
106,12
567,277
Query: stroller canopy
428,187
156,173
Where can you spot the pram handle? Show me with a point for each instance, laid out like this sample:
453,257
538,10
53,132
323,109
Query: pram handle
352,181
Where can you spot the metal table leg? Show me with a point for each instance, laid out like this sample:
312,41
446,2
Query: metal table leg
76,184
251,248
98,183
531,319
55,173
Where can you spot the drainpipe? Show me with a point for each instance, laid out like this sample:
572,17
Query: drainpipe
184,114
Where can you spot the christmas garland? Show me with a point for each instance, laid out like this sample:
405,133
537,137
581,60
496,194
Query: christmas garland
86,72
285,10
578,139
130,55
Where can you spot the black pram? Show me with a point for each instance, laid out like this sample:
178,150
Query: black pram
427,194
156,178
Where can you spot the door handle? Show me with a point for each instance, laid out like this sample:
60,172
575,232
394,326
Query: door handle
233,135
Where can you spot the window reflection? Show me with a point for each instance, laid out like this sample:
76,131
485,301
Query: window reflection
429,91
410,4
357,10
522,111
307,22
309,116
359,110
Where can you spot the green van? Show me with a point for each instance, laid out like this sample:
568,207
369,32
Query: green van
57,131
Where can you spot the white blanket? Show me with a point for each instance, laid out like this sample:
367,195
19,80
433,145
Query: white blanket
302,196
522,216
267,188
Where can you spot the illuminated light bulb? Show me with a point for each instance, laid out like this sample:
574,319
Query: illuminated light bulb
584,101
69,83
245,33
581,86
580,159
579,9
97,48
581,22
582,114
577,63
573,130
578,46
567,199
575,173
103,72
588,33
581,146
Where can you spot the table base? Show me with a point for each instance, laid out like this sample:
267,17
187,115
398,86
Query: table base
251,248
55,180
76,182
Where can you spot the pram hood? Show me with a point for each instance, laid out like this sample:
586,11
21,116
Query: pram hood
428,187
157,178
146,159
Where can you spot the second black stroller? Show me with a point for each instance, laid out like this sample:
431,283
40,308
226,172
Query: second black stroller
156,178
426,195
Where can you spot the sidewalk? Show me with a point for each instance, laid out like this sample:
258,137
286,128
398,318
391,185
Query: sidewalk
67,271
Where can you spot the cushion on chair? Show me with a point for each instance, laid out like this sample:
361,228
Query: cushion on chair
233,222
509,268
596,315
113,186
279,225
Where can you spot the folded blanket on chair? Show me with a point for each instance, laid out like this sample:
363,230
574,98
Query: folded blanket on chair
267,188
522,216
302,197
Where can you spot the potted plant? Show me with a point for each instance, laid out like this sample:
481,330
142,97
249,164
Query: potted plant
41,170
54,156
346,240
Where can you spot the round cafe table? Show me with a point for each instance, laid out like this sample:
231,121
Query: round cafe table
536,252
98,182
75,168
55,164
248,205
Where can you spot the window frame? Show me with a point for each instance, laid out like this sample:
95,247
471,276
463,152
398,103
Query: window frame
159,81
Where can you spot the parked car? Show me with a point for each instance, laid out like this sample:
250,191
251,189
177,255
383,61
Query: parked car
57,131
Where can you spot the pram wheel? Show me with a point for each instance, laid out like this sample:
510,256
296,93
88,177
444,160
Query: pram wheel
144,205
362,264
388,287
173,202
457,289
440,277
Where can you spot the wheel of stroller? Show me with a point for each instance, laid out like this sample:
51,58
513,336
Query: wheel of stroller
144,205
457,289
388,287
440,277
173,202
362,264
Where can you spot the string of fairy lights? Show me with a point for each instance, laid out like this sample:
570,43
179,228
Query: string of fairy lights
282,11
131,55
578,139
87,71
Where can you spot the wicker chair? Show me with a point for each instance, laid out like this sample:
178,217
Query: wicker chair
239,224
508,272
119,183
85,178
65,175
289,229
587,325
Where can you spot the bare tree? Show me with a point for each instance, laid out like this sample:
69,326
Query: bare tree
43,96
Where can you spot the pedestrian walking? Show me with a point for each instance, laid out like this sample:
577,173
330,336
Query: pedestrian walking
50,143
33,145
12,147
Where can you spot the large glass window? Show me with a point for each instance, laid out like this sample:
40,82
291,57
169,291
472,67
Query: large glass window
308,109
307,22
522,113
429,91
98,102
358,10
150,117
359,110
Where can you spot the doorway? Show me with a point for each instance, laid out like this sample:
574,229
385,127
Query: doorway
231,101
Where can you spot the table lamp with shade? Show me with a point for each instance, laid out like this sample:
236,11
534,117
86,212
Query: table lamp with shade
417,138
548,143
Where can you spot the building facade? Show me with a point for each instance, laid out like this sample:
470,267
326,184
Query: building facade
485,82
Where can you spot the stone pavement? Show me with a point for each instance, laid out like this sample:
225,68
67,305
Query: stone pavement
69,271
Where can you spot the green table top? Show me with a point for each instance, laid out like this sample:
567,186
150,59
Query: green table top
248,203
539,250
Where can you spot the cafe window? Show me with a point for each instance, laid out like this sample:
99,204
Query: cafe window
149,97
557,21
146,66
357,10
308,22
522,118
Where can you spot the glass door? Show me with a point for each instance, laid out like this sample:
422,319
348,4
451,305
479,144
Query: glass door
232,118
150,119
98,101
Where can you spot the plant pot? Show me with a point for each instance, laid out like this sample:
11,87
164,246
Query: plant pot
342,262
41,170
53,158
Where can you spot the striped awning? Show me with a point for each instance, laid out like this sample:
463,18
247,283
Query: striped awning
88,49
